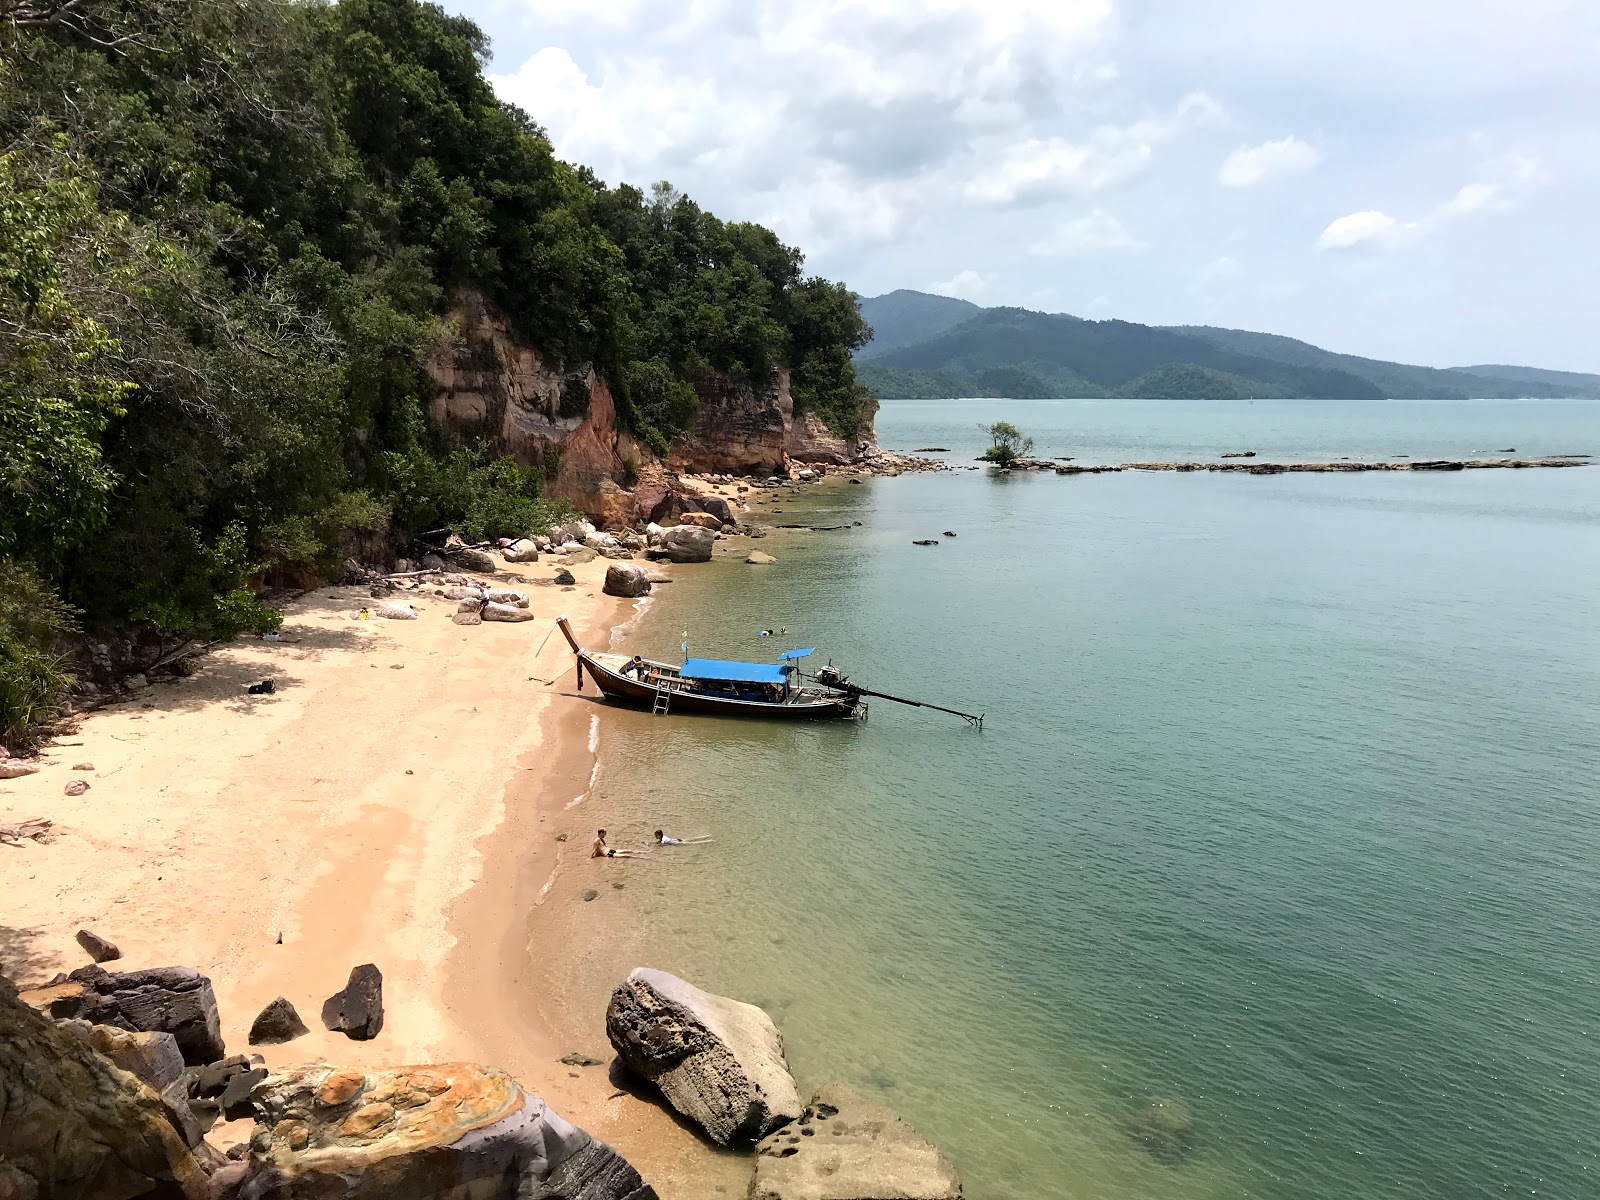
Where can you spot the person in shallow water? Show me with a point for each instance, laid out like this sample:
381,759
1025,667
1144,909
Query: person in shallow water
601,850
663,840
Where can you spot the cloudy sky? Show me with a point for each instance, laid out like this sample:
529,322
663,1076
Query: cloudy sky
1408,179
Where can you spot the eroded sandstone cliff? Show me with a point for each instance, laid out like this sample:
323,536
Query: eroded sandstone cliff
564,422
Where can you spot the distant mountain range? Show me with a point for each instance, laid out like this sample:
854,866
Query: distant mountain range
928,347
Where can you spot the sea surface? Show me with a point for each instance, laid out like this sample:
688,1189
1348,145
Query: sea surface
1274,870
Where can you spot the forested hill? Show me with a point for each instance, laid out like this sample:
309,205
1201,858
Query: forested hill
1017,352
228,232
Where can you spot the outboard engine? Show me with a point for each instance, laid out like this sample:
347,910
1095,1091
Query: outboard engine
831,676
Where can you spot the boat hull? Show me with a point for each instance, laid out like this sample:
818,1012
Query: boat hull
620,689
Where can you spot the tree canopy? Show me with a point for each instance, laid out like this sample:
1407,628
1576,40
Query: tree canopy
230,232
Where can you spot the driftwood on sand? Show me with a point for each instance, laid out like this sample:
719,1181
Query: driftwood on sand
38,829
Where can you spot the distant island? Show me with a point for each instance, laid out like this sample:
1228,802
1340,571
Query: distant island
934,347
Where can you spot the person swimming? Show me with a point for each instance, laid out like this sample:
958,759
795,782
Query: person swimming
663,840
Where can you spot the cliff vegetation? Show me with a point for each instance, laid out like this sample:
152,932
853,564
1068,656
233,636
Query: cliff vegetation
230,231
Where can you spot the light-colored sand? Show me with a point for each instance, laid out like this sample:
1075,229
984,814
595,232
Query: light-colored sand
347,812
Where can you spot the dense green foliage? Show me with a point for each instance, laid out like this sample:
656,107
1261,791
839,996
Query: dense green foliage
230,234
33,667
939,347
1007,443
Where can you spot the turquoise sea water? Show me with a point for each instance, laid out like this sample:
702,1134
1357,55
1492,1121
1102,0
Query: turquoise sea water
1275,870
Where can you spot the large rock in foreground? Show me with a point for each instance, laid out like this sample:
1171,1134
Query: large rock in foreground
718,1061
74,1127
456,1131
846,1147
175,1000
685,544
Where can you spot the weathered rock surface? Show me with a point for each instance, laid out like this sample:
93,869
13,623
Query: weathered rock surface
357,1011
468,559
685,544
152,1057
626,579
16,768
507,596
760,558
468,618
278,1022
76,787
521,550
720,509
703,519
505,612
718,1061
175,1000
455,1131
97,947
565,577
846,1147
395,612
74,1127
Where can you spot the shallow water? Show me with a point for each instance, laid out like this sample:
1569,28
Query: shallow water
1274,869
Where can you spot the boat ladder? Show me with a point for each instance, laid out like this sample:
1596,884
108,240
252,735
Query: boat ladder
663,697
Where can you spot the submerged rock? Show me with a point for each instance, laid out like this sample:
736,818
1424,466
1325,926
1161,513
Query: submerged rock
760,558
1164,1128
357,1011
718,1061
846,1147
420,1133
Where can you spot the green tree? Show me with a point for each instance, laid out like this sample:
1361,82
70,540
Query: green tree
1007,443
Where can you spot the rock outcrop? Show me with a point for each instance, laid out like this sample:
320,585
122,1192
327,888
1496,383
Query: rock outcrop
175,1000
75,1127
357,1011
846,1147
718,1061
563,421
455,1130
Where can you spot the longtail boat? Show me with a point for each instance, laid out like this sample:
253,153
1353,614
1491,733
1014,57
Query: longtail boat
734,689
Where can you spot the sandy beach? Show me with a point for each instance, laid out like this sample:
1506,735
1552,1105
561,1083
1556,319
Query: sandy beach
382,805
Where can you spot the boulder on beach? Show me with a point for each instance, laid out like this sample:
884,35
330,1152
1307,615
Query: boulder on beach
760,558
278,1022
467,559
718,1061
420,1133
626,579
175,1000
468,618
582,554
395,612
507,596
75,1126
520,551
98,948
357,1011
16,768
565,577
505,612
719,508
846,1147
685,544
458,592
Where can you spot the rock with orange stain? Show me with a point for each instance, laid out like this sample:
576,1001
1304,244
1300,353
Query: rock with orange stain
420,1133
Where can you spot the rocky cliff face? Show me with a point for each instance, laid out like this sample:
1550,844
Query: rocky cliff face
564,422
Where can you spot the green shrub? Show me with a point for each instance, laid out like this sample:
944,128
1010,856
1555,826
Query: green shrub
34,676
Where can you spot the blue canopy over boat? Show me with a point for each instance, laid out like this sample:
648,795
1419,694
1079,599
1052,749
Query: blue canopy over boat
788,654
731,672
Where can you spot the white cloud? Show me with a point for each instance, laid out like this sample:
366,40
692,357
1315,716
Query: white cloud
966,285
1040,169
1214,272
1097,233
1370,229
1502,185
1251,165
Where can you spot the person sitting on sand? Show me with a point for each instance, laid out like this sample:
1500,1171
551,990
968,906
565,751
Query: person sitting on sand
663,840
636,665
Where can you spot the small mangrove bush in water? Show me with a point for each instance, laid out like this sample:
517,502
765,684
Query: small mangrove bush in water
1007,444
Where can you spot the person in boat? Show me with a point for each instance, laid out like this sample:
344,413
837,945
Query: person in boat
636,665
